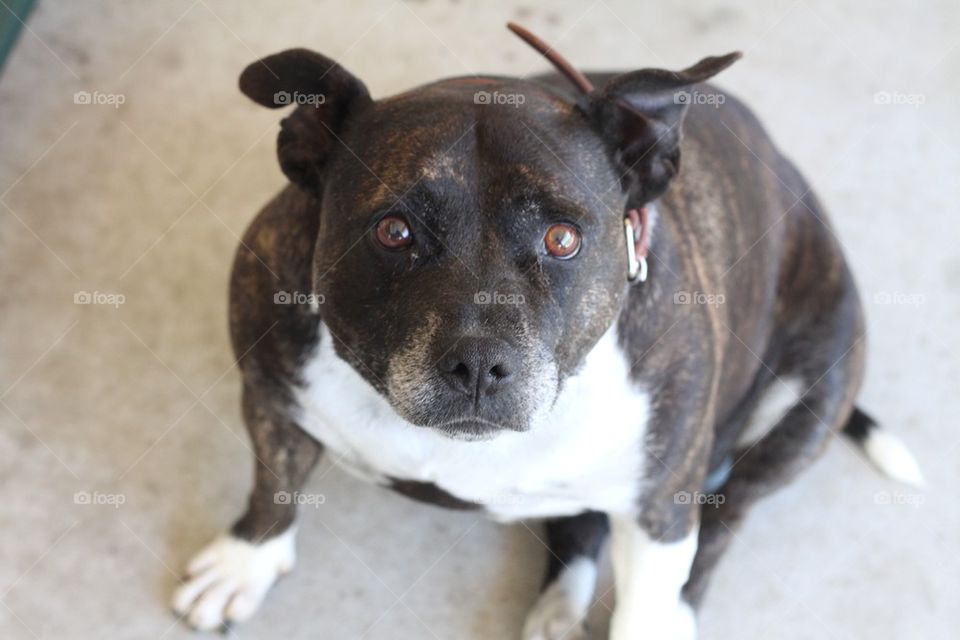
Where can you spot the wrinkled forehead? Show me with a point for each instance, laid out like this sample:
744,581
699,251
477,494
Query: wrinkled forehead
476,135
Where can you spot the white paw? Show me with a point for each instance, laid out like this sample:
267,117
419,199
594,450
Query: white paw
227,580
554,619
670,622
561,611
685,625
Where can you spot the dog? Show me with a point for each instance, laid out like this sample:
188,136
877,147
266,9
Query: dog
510,295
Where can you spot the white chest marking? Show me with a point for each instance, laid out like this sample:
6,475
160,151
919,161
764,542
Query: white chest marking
588,453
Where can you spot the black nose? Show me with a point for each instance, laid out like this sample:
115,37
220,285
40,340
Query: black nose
479,367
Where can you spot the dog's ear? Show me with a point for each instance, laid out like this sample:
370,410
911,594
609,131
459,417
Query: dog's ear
324,94
640,115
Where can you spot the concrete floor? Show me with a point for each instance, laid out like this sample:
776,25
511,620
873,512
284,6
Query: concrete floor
136,404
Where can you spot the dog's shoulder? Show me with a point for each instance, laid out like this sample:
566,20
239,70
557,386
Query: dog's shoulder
270,328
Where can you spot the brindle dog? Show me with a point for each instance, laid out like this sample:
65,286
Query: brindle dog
441,299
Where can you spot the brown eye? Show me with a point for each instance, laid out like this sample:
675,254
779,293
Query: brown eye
393,232
562,241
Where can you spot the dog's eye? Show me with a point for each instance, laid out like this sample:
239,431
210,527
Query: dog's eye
393,232
562,241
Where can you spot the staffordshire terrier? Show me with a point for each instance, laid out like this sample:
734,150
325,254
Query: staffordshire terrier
606,301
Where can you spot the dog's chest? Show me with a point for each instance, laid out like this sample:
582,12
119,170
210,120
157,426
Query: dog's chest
587,454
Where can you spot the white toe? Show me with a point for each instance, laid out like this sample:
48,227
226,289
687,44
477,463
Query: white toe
207,613
244,604
190,590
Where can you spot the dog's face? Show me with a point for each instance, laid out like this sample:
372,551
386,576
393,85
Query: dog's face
470,254
471,246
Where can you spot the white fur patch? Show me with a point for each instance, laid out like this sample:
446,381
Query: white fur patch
585,453
229,578
649,576
776,400
892,457
562,608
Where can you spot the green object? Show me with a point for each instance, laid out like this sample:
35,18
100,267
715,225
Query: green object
12,17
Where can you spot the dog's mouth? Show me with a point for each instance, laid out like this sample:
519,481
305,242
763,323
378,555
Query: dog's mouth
457,416
473,428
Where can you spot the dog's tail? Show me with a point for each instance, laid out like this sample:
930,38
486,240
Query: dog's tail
884,450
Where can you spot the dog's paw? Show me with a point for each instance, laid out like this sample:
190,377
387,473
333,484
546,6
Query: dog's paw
556,616
684,624
552,618
670,622
227,580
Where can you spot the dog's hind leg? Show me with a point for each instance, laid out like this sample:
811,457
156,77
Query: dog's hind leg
570,580
765,460
228,579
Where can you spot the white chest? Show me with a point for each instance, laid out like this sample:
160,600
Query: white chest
587,454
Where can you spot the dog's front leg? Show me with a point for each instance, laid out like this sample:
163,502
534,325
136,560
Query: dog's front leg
650,569
561,611
228,579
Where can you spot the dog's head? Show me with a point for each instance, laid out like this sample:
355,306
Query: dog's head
471,247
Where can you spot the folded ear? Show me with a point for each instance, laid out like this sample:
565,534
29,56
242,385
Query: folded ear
324,94
640,114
